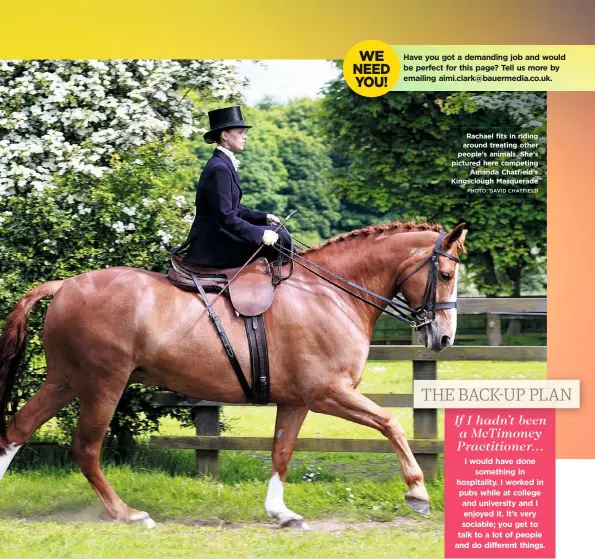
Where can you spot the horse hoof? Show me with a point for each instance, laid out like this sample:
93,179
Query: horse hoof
148,523
295,524
141,518
419,506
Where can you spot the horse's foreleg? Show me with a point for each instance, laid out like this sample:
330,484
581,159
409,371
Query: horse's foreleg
287,426
95,415
353,406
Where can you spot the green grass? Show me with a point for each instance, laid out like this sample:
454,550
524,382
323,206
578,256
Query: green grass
83,539
41,514
183,498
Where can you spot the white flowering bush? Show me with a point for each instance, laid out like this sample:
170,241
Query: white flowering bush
129,218
67,116
93,173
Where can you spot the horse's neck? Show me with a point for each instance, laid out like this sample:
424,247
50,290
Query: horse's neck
369,262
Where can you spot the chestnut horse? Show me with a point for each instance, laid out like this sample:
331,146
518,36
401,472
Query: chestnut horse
107,328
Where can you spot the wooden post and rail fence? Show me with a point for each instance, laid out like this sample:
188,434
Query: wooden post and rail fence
425,443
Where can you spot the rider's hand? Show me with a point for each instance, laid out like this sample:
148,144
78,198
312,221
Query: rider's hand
273,220
270,237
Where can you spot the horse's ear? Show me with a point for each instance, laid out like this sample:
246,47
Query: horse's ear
456,236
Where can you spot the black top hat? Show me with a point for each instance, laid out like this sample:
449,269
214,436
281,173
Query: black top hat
224,119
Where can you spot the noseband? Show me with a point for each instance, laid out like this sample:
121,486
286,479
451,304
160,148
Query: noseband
416,318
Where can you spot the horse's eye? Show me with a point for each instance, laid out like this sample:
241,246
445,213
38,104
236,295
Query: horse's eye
445,276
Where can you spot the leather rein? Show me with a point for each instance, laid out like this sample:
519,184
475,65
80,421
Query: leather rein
416,318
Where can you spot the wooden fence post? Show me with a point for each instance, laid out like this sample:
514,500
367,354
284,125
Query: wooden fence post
425,421
414,337
206,419
493,329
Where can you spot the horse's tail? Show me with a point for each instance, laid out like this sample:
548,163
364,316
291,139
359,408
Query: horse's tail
12,346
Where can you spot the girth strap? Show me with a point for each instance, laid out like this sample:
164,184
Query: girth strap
259,359
224,340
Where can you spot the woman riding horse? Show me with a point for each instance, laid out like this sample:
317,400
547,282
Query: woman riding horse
138,327
225,233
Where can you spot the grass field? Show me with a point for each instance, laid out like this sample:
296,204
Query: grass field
354,502
53,514
84,539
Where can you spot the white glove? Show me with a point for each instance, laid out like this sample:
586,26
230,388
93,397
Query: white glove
270,237
273,220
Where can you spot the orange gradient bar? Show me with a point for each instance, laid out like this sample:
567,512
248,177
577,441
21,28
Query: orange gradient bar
571,263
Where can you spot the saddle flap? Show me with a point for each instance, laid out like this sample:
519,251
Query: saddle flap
252,290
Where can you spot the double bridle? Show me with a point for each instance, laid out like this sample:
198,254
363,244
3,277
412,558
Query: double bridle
429,306
416,318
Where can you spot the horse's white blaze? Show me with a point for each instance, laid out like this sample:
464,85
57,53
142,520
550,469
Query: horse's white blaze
453,312
274,504
7,458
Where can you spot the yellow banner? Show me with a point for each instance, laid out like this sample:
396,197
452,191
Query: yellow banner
496,68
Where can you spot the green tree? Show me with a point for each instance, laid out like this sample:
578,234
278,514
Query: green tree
398,150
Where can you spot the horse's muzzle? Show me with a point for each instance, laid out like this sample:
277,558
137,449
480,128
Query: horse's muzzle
432,339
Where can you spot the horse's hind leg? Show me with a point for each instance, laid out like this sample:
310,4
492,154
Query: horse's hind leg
96,413
350,404
44,405
288,424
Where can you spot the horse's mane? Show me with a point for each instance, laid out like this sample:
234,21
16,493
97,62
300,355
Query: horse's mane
371,229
